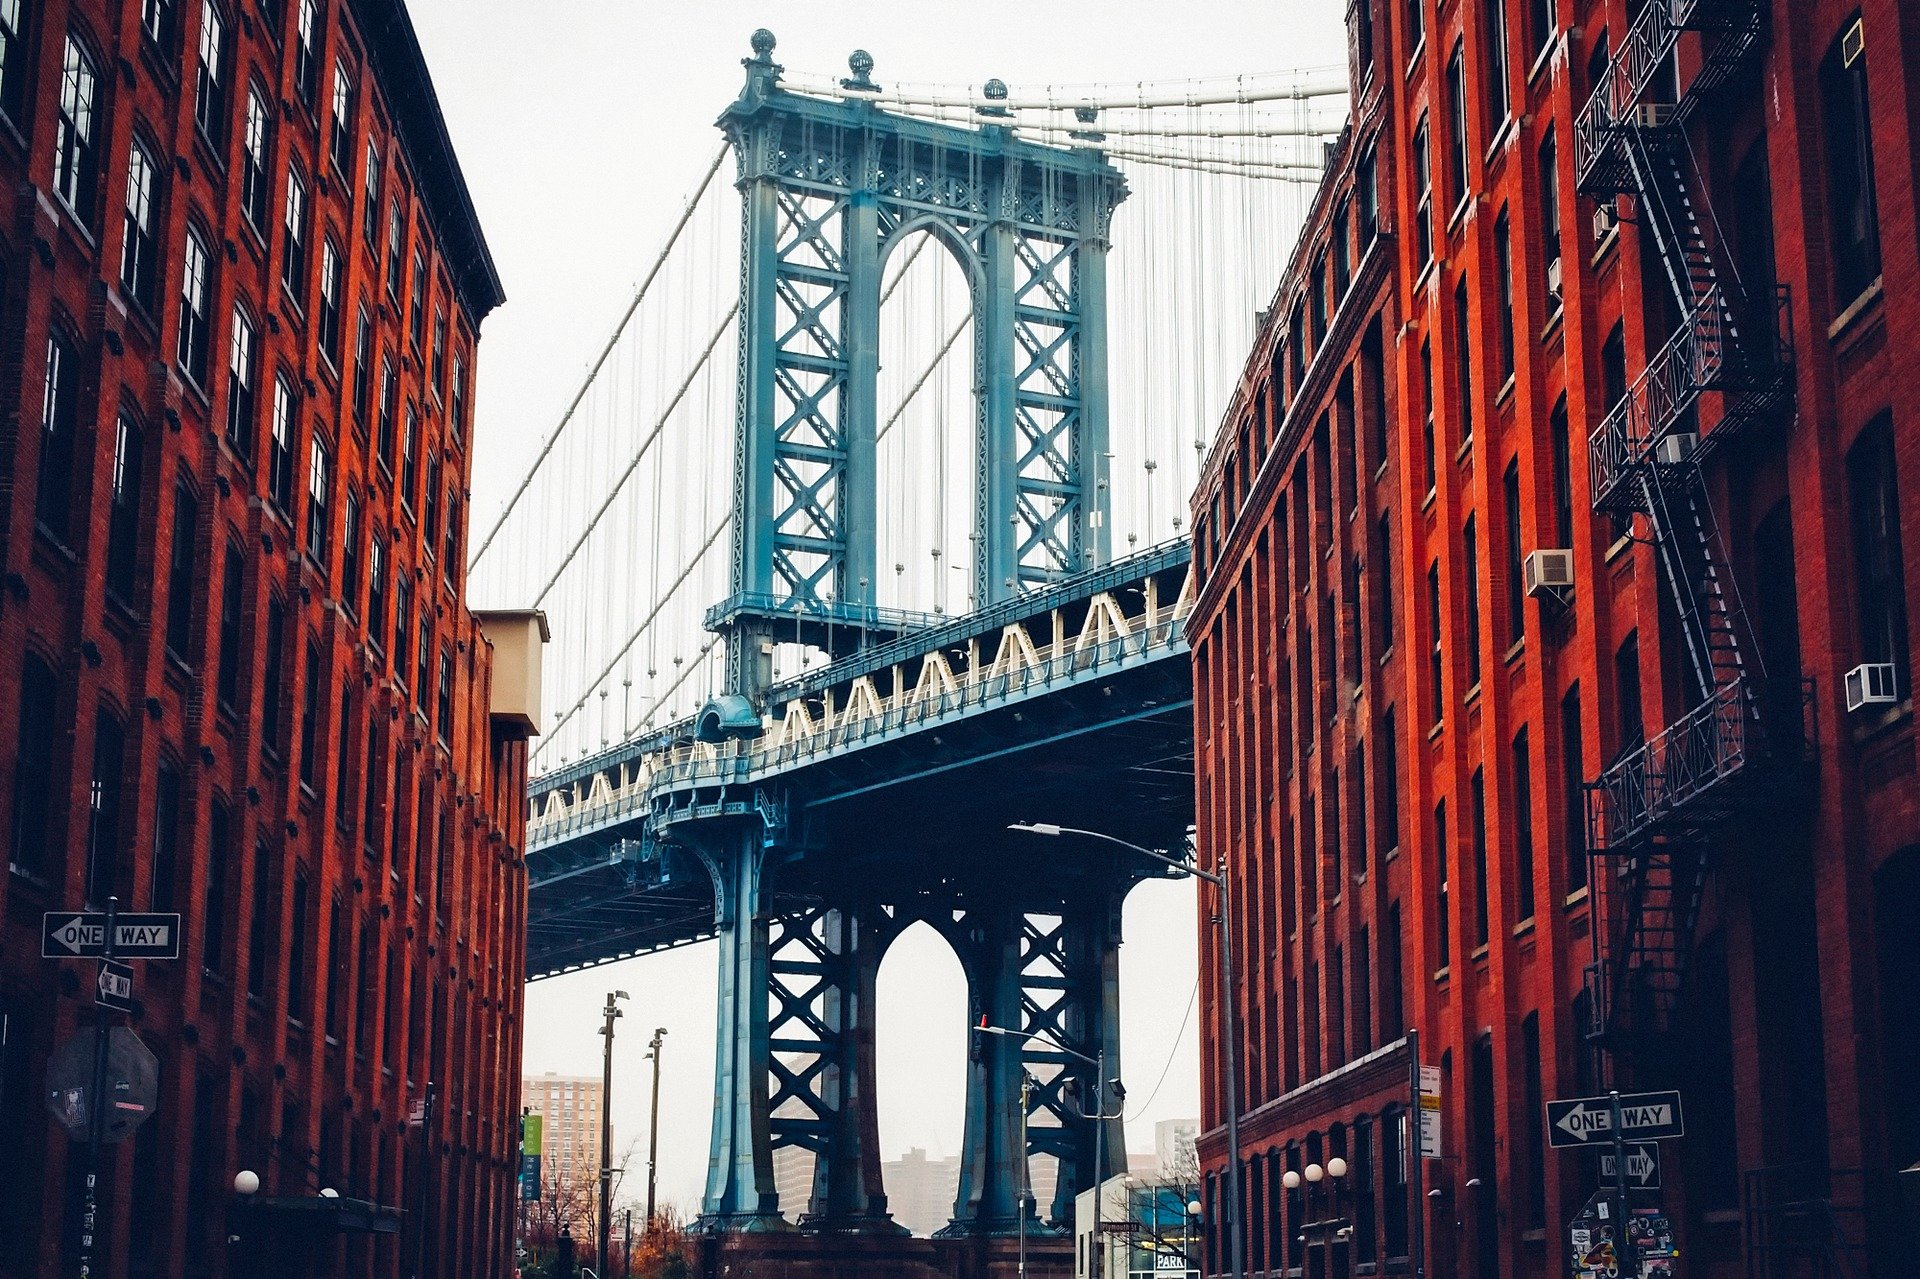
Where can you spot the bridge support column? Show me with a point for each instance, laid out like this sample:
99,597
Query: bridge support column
988,1200
824,966
740,1192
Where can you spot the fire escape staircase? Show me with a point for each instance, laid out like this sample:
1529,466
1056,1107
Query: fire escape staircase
1653,814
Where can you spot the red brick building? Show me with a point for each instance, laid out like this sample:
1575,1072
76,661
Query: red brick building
241,280
1624,281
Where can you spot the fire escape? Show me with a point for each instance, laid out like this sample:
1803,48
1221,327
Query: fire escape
1654,814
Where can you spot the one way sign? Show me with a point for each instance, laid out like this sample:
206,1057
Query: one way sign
1643,1166
67,934
1588,1121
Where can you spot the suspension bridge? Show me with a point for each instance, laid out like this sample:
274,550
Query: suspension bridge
835,605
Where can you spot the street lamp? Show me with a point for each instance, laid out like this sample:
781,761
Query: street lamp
1099,1118
605,1222
1236,1233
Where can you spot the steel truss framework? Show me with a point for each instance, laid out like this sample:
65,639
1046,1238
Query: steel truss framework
830,189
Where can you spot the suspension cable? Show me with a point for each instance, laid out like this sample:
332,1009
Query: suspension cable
653,272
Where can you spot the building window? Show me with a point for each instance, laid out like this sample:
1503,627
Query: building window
1533,1142
1423,173
417,320
196,328
395,258
1463,353
423,658
261,927
1550,211
105,793
373,779
59,419
329,334
293,251
37,733
210,82
376,588
186,516
1559,433
389,405
457,410
1494,15
213,937
452,553
1387,803
139,246
362,371
306,53
342,791
370,199
402,622
255,171
1523,824
1470,548
430,514
439,352
1503,266
1539,26
409,459
1457,120
271,689
1416,23
76,164
350,555
286,409
310,720
123,520
443,717
1437,658
319,496
241,374
1626,682
1853,214
1880,589
13,59
1573,778
340,140
1482,909
1516,556
1430,450
227,683
1613,367
1443,925
297,950
166,837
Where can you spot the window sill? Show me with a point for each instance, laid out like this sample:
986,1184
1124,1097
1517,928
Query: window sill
1502,138
1443,974
1606,245
1869,296
1578,897
1472,694
1380,471
1514,651
1439,727
1554,321
1614,548
1414,58
1480,953
1386,656
1505,393
1461,454
1524,928
1433,493
1542,59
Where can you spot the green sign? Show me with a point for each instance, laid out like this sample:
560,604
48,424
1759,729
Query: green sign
530,1130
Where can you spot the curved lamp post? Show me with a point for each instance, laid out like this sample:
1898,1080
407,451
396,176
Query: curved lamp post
1229,1036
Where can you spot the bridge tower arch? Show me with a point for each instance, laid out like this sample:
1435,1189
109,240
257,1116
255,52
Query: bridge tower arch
826,185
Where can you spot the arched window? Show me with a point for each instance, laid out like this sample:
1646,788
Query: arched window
76,161
123,520
105,796
33,767
59,417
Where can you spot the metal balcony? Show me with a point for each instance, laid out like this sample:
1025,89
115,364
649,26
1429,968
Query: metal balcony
1704,354
1599,165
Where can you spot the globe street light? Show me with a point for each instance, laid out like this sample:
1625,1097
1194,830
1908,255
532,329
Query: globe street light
1236,1230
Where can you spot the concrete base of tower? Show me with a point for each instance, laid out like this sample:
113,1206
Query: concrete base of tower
804,1255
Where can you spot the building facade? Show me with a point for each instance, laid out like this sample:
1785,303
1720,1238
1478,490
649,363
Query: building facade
569,1107
241,282
1552,666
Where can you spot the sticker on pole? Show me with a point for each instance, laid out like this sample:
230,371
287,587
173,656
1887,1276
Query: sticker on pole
132,1085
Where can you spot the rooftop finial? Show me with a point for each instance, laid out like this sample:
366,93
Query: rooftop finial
860,62
763,43
995,90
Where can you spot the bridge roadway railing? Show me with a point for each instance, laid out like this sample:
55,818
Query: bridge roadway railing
899,688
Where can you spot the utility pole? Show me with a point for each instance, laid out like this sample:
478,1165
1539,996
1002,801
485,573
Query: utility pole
653,1122
604,1224
93,1217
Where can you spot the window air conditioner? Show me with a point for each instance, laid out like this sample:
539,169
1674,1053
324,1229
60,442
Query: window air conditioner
1549,570
1554,280
1651,115
1605,218
1672,450
1871,684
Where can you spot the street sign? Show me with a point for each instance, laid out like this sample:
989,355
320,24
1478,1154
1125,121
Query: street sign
132,1084
1430,1112
1643,1166
115,986
1588,1121
72,934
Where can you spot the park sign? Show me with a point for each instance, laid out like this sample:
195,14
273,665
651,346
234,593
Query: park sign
73,934
1585,1122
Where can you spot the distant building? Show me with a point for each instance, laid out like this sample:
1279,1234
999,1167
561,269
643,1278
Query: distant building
920,1191
793,1179
569,1107
1173,1147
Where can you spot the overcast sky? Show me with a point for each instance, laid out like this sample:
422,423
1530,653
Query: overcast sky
581,125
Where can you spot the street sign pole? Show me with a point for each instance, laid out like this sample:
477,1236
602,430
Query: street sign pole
1623,1228
1410,1149
90,1217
